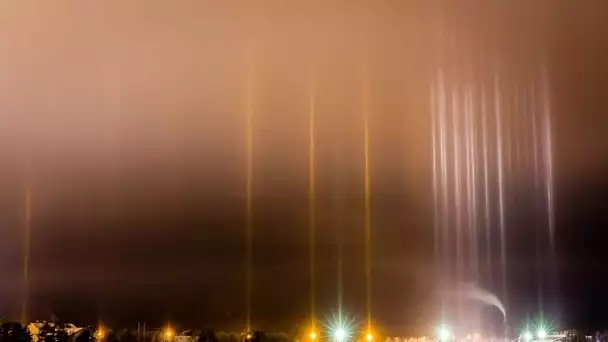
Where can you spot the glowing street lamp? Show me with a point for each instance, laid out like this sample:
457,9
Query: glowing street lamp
527,336
312,336
168,333
100,333
541,333
340,334
443,333
369,337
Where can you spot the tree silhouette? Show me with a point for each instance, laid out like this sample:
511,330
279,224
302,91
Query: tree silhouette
14,332
84,335
207,336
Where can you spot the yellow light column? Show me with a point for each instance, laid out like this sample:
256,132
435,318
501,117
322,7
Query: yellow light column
249,112
367,194
312,204
27,233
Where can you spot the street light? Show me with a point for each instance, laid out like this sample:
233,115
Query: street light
99,334
340,334
169,333
312,335
527,336
369,337
443,333
541,333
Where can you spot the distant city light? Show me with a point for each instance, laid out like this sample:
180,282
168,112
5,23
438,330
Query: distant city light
443,333
340,334
369,337
169,333
99,334
541,333
313,336
340,328
527,336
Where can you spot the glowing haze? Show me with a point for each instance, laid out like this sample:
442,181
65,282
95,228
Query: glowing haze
127,121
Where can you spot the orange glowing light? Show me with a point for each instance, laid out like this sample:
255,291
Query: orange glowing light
100,334
169,333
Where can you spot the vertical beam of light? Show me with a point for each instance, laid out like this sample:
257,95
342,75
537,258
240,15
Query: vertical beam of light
547,137
468,176
534,124
436,213
365,96
27,233
457,195
486,185
473,179
526,140
339,223
249,113
500,171
474,173
517,127
338,210
444,167
366,38
312,198
340,265
367,194
506,124
440,178
443,162
537,191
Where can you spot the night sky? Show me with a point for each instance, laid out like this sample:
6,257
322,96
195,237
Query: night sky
127,120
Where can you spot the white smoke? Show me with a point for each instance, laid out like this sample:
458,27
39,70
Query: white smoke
472,291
